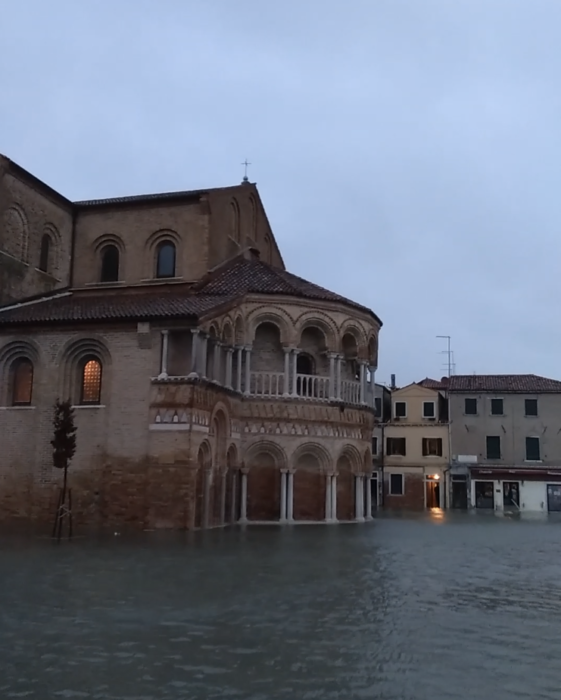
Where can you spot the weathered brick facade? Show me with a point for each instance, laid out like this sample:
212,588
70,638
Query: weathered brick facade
229,390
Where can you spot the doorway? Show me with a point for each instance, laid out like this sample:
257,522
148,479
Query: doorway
374,492
554,497
459,493
432,492
484,494
511,495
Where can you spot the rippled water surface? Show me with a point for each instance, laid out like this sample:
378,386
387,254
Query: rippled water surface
405,609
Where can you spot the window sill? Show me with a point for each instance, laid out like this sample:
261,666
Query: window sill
47,274
396,494
471,415
90,406
161,280
533,461
536,416
17,408
104,285
497,415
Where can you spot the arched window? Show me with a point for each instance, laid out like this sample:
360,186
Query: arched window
90,381
165,259
235,221
110,263
44,257
22,382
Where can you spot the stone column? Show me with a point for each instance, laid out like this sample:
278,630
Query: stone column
362,398
290,498
223,500
373,384
286,382
229,365
216,361
359,498
243,509
368,485
247,370
339,394
206,501
164,358
239,369
195,351
328,507
283,502
203,357
332,376
334,498
294,371
234,501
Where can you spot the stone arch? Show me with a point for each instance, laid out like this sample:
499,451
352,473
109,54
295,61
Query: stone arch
274,315
321,321
71,360
51,259
10,354
101,244
311,462
204,463
227,334
373,351
351,328
16,233
239,333
264,459
253,218
151,247
220,432
349,463
313,449
235,230
268,353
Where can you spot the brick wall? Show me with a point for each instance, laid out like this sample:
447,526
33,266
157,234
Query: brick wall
413,496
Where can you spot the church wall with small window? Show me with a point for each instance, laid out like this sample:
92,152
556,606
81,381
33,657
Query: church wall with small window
36,240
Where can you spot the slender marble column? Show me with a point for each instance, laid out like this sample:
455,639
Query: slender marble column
195,351
332,376
164,358
290,498
206,502
286,381
216,361
223,500
328,507
243,514
362,382
339,392
283,502
294,371
229,365
359,498
247,370
334,498
368,485
234,501
239,369
203,358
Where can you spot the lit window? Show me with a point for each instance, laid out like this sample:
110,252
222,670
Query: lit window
165,260
91,382
22,382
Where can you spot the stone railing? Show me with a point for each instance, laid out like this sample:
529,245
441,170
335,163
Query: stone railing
307,386
350,392
267,384
310,386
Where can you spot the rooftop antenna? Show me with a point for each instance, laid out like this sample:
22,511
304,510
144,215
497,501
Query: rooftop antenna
448,353
246,163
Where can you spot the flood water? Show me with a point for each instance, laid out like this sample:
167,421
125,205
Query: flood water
409,608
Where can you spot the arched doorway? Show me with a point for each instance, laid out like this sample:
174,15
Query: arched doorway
345,489
204,461
310,464
265,461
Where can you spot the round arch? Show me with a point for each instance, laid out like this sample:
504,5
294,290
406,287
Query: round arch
312,319
11,354
353,456
70,357
351,329
277,316
315,450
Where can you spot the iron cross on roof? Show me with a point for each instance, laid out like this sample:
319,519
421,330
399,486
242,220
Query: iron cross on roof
245,164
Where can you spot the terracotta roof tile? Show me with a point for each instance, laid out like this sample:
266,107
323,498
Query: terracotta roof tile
75,307
255,276
434,383
504,383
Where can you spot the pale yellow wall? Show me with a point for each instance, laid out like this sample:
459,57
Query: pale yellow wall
414,428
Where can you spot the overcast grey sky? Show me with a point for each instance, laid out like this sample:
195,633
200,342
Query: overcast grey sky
407,151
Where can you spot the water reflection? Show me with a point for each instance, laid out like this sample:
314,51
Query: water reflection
407,608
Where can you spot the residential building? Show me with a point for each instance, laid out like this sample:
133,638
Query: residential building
382,414
506,442
416,454
210,385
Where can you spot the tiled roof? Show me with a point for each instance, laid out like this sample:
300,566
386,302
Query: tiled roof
137,198
74,307
504,383
244,276
225,285
429,383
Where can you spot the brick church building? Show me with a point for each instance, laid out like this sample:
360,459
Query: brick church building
210,385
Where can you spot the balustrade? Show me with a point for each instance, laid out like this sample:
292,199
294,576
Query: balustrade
267,383
310,386
350,392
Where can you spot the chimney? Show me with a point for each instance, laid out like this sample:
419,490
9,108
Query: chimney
392,382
